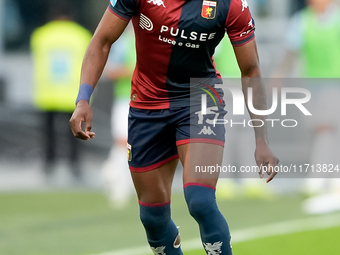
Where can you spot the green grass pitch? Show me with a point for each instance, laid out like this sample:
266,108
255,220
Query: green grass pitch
316,242
83,223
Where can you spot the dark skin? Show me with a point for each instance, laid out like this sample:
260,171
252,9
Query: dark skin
108,31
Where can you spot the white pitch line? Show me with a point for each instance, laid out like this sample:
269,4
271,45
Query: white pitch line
275,229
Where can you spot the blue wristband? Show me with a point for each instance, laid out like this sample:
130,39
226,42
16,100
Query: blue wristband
85,92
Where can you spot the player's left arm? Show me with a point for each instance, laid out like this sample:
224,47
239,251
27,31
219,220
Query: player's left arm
248,61
240,27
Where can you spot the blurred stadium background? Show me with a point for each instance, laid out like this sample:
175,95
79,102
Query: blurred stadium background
68,217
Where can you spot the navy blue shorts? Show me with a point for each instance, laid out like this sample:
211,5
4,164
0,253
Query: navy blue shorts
153,135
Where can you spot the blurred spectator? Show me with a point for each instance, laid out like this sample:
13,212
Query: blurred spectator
261,7
115,170
225,60
12,21
58,48
314,37
297,5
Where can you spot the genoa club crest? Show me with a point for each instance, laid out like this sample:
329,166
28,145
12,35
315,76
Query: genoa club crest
209,9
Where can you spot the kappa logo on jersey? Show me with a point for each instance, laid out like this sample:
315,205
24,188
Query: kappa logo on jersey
206,131
244,4
113,2
213,249
209,9
145,22
158,250
129,153
250,24
157,2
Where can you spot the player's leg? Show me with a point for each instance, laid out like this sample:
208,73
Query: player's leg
200,144
154,194
199,191
153,158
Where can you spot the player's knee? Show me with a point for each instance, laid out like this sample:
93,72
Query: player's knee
201,205
153,220
201,208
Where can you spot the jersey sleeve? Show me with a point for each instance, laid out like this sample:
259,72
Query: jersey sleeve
240,25
124,9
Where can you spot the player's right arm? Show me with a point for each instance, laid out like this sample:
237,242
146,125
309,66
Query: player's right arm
107,32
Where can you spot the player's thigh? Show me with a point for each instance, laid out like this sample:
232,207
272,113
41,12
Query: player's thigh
155,186
203,156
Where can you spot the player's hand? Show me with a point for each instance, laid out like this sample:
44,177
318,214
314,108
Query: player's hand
82,113
265,157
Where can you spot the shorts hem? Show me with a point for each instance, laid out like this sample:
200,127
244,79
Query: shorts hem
200,140
153,166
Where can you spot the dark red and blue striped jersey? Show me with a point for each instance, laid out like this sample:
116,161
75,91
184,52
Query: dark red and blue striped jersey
175,41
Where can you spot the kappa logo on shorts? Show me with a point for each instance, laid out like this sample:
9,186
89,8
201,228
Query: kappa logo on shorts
158,250
209,9
206,131
129,153
213,249
145,22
